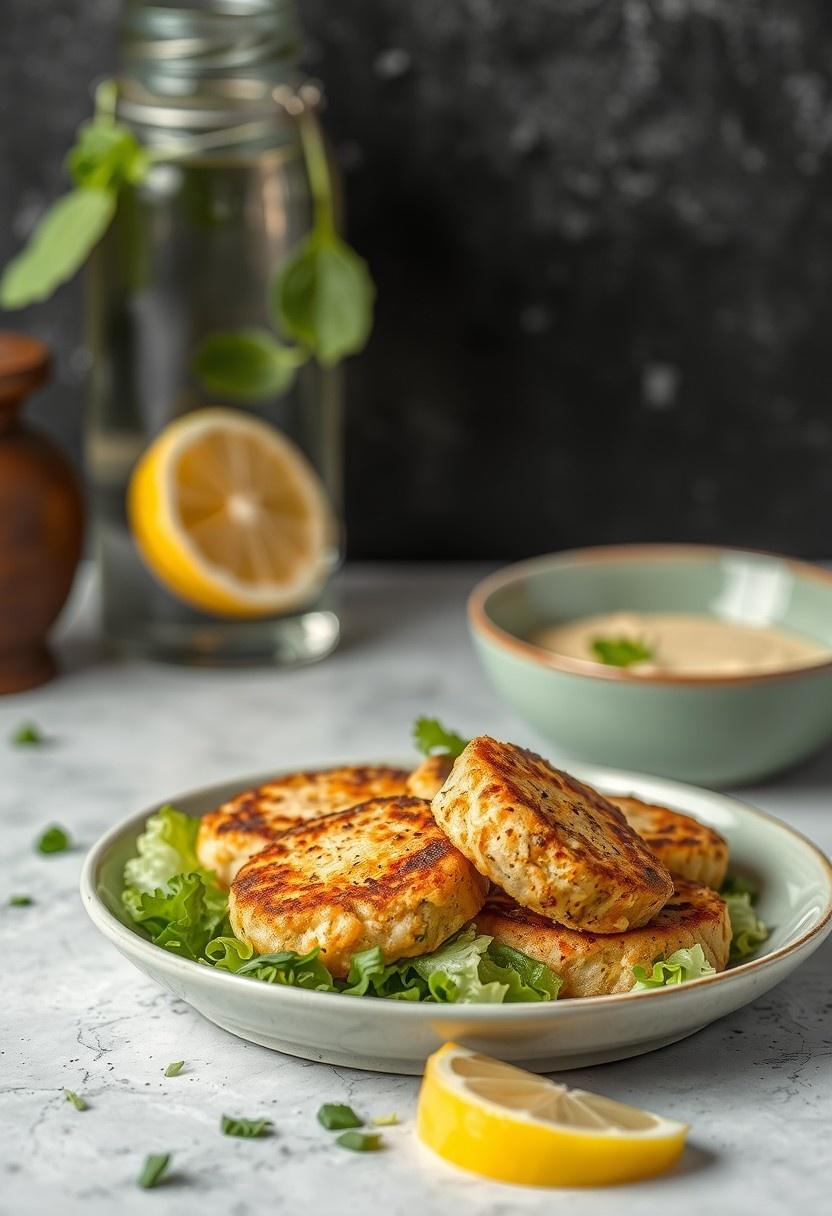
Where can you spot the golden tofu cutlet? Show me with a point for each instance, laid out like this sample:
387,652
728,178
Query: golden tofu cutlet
255,818
381,874
427,780
686,846
592,964
554,844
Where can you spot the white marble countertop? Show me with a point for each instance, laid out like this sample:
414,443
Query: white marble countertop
756,1087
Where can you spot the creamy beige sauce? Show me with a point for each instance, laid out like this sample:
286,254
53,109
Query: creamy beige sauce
685,644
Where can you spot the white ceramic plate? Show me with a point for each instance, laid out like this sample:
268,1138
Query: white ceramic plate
795,881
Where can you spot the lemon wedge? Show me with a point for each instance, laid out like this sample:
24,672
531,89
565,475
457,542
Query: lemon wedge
507,1124
230,516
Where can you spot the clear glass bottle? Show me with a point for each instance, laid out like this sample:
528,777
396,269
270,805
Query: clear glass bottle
192,250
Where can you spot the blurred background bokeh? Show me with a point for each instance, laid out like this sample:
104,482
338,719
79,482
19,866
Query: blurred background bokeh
602,236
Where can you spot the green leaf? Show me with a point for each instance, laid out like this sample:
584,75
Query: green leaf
181,917
58,246
105,156
228,953
524,978
747,932
682,965
27,734
174,1069
77,1101
246,1129
359,1142
154,1169
620,652
166,847
246,363
431,737
20,901
736,884
53,840
289,967
334,1116
322,296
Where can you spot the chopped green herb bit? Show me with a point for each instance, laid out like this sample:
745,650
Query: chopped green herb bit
26,735
384,1120
359,1142
248,1129
20,901
154,1169
334,1116
76,1100
174,1069
53,840
431,737
621,652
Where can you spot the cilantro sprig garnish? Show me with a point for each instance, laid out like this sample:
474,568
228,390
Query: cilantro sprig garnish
621,652
432,738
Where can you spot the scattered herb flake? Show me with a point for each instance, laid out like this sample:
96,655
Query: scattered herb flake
385,1120
621,652
154,1169
334,1116
20,901
53,840
431,738
77,1101
27,734
174,1069
359,1142
247,1129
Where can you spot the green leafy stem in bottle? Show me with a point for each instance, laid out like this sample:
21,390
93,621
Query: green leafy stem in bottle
321,296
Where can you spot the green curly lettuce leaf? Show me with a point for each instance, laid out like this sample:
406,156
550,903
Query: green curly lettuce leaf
166,847
747,931
682,965
289,967
182,917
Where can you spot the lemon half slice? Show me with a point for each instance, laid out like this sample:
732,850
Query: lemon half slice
230,516
504,1123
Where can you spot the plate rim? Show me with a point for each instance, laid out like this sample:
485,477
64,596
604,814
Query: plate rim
112,928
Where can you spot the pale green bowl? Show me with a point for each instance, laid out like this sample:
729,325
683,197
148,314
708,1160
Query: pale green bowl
717,730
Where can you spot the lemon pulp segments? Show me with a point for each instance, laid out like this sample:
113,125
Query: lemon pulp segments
229,515
508,1124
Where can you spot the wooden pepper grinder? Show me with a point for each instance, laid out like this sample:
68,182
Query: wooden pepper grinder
41,522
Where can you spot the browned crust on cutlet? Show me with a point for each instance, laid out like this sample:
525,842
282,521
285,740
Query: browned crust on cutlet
686,846
254,818
554,843
272,874
378,874
593,964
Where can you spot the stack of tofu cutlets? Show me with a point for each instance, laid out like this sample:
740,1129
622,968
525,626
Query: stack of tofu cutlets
355,857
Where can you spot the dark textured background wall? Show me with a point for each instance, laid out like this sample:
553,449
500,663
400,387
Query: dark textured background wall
602,235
